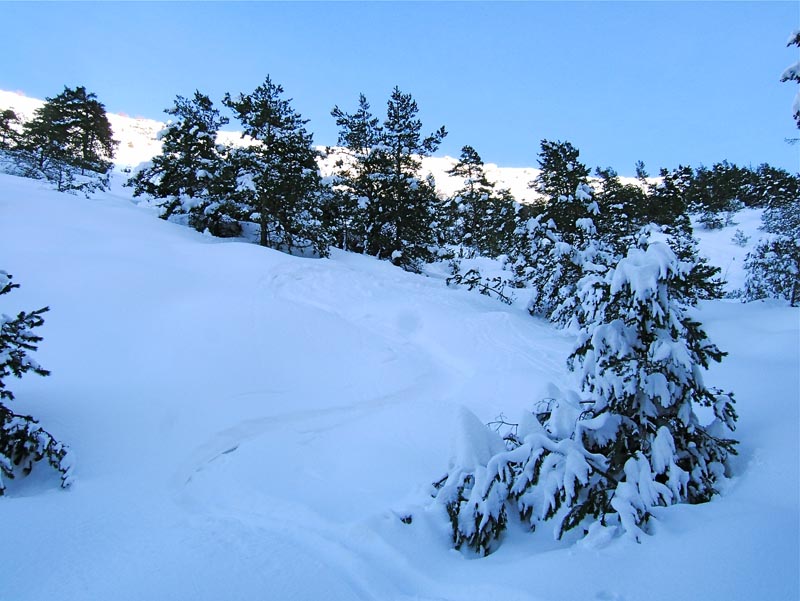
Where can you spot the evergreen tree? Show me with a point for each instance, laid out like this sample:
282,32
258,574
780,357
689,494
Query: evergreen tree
622,210
355,181
633,443
397,207
219,209
561,174
9,136
69,141
716,193
773,271
182,174
771,187
557,245
641,172
22,441
278,178
668,208
480,216
773,267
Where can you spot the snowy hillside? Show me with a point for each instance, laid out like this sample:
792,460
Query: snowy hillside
251,425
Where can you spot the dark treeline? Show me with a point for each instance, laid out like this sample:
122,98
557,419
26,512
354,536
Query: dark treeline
376,201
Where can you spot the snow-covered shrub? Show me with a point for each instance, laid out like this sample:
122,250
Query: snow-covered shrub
629,442
22,441
497,286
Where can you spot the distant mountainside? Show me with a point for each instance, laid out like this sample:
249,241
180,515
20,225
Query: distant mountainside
138,143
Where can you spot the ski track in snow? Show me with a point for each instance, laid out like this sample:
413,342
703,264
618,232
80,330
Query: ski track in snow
309,422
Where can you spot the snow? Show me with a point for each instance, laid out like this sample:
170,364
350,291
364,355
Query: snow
247,424
718,247
641,270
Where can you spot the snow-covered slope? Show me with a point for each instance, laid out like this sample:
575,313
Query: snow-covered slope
250,425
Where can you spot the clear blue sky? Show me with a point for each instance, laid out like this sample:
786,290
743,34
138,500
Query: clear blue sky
667,83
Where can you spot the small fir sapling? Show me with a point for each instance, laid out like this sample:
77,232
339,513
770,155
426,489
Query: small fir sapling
740,238
23,441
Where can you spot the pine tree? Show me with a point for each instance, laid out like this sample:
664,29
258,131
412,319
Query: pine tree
771,187
480,216
622,210
397,207
639,362
189,159
69,142
561,174
9,136
354,181
278,177
716,193
641,172
22,441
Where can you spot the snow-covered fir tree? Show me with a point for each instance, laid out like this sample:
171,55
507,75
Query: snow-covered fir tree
23,442
628,443
716,194
278,180
560,174
773,271
770,187
189,161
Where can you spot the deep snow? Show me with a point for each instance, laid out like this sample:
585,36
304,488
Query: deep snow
250,425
